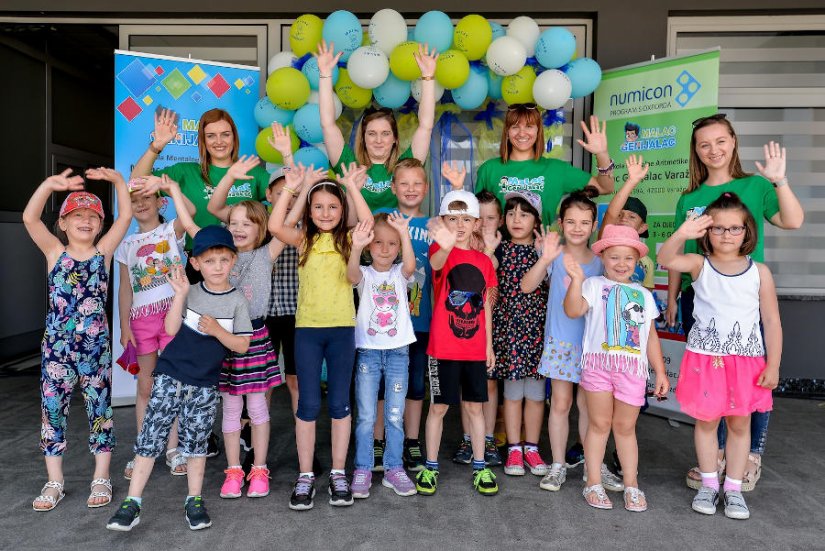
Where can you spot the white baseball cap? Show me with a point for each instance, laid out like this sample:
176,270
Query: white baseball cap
459,195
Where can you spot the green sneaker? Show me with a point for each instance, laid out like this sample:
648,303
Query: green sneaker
484,481
426,482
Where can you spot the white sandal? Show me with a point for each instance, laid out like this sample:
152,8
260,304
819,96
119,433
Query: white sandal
129,470
752,477
94,495
51,500
175,459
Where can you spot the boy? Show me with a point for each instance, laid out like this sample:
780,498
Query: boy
204,320
461,340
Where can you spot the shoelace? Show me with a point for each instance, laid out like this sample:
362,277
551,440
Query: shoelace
258,472
235,474
399,477
339,483
555,472
485,475
514,457
427,476
303,486
360,478
533,458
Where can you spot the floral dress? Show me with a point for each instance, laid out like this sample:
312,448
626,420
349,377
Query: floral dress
76,351
518,318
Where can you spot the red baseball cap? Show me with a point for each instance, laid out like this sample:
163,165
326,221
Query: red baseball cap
81,200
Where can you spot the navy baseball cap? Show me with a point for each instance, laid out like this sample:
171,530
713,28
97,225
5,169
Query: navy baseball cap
210,237
634,204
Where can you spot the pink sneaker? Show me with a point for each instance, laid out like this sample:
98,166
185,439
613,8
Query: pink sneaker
533,460
233,483
258,482
514,466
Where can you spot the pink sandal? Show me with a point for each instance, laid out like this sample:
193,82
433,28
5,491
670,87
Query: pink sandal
597,497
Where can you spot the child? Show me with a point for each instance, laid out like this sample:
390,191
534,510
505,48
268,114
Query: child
491,220
725,371
325,319
383,331
620,341
461,340
204,320
625,210
75,345
144,295
253,374
518,333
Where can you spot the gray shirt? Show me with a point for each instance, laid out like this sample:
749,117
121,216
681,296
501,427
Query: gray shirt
252,276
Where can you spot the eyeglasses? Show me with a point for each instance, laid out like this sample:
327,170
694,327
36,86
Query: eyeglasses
702,120
733,230
460,298
519,106
380,301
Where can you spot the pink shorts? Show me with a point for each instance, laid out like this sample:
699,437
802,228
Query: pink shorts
150,333
626,386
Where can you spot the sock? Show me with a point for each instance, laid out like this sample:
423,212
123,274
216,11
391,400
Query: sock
515,446
466,437
489,437
531,446
478,464
557,466
732,485
139,500
711,480
306,475
263,466
337,471
432,465
233,467
410,442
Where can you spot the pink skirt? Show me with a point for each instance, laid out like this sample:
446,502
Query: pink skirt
711,387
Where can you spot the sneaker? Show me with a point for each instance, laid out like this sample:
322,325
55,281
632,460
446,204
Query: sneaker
464,453
609,480
426,482
617,465
196,515
126,517
735,506
413,458
484,481
302,494
361,483
553,480
514,466
246,437
378,454
574,456
491,456
705,501
258,482
535,463
399,482
233,483
213,445
339,493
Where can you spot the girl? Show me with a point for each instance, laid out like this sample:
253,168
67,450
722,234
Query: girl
325,320
376,142
144,295
75,345
517,333
724,370
715,168
383,333
620,341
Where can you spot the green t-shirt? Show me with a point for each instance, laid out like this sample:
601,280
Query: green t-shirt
188,175
376,190
551,179
756,192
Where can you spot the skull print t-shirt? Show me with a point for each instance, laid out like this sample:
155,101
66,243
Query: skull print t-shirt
458,330
383,320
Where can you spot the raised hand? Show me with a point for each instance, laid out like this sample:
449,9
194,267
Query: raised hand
595,136
362,234
774,168
327,58
353,176
165,183
294,177
454,175
240,169
178,280
316,175
636,171
399,223
695,228
64,181
491,238
108,174
280,140
166,127
440,233
426,58
573,268
550,245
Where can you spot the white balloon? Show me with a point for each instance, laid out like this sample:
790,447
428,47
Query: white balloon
551,89
322,147
415,89
281,59
387,30
525,30
506,56
368,67
339,107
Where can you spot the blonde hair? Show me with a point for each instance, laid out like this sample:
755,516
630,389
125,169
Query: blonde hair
257,214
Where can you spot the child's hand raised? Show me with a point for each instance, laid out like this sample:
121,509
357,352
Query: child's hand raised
695,228
547,244
399,223
240,169
165,183
294,177
573,268
108,174
362,234
440,233
354,176
64,181
280,140
327,58
491,238
166,127
454,175
636,171
178,280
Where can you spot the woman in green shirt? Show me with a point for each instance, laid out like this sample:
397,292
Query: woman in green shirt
376,142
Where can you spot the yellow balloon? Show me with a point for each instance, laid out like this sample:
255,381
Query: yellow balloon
452,69
351,95
518,88
287,88
269,153
305,34
402,62
472,36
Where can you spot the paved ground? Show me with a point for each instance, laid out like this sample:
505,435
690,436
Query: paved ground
787,507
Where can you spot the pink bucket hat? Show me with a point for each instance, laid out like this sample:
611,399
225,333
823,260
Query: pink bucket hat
81,200
615,235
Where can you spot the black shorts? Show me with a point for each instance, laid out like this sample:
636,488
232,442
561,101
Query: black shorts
454,380
282,333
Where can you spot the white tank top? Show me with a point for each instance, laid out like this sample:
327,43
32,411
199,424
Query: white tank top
726,310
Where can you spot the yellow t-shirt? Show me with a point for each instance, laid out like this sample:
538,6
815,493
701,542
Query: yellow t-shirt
324,293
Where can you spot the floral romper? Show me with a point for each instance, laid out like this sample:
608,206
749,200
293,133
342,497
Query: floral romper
75,350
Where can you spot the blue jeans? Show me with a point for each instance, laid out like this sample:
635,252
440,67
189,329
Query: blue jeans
370,365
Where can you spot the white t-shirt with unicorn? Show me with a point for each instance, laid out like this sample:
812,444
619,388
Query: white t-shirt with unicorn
383,321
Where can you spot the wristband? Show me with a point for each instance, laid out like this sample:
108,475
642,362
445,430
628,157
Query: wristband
606,170
290,191
781,183
488,252
324,76
154,149
430,77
